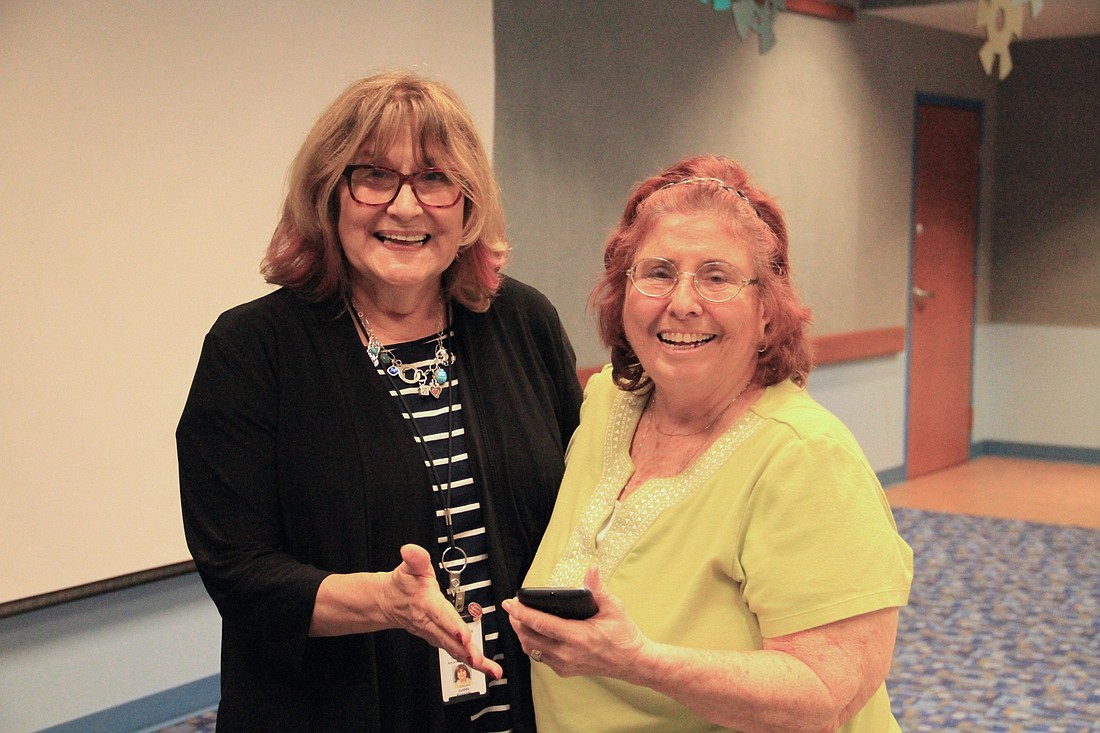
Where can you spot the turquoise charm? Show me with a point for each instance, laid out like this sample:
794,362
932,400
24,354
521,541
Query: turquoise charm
426,380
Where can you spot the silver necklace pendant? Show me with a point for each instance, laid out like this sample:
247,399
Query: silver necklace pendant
372,352
428,381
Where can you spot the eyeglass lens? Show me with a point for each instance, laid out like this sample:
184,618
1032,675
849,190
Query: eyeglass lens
714,281
375,185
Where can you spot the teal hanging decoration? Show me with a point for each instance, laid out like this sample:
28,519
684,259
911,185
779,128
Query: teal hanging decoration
752,16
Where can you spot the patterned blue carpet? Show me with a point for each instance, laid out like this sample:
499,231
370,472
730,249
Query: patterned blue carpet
1002,631
1001,634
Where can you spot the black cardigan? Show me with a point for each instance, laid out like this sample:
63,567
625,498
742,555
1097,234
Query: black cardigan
295,463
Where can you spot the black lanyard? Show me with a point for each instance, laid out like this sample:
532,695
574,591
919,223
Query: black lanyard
454,583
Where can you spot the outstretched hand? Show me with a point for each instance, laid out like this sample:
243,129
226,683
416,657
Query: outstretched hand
413,601
606,644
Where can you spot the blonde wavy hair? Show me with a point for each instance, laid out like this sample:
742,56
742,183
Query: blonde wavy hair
305,253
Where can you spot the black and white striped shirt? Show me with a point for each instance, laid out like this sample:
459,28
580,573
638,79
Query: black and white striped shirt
437,425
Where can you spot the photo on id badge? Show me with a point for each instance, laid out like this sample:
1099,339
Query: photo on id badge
457,679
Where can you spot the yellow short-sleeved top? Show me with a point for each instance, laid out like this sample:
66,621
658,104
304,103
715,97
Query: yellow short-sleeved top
780,526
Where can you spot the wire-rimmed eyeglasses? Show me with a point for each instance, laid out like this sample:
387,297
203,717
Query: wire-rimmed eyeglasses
714,281
377,185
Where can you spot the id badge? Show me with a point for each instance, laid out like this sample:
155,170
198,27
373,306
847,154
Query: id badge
458,680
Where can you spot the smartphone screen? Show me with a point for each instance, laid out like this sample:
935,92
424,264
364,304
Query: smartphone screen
571,603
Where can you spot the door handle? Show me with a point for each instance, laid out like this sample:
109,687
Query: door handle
922,293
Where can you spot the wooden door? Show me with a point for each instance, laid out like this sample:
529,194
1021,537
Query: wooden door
941,321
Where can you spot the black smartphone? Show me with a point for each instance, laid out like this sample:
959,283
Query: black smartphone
571,603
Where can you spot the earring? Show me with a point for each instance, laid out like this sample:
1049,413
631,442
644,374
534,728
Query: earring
762,349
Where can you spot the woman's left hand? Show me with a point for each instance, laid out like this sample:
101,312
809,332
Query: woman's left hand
605,644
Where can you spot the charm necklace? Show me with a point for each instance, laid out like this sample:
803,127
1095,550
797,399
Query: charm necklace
430,379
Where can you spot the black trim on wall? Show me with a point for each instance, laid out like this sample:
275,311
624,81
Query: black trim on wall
99,587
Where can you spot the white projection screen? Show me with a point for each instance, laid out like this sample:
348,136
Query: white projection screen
144,146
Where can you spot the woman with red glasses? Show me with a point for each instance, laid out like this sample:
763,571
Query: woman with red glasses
369,455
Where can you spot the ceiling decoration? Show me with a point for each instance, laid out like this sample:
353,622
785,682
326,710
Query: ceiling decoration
998,21
1003,20
751,16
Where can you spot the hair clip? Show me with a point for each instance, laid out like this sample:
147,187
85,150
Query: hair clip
701,179
721,184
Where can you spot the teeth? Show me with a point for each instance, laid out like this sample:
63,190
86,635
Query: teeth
685,339
405,238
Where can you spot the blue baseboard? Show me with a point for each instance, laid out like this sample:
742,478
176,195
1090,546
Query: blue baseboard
891,476
149,711
1035,451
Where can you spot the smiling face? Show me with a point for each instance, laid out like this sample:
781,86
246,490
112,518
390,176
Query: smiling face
688,345
398,251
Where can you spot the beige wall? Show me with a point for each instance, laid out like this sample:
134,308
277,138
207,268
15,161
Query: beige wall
594,95
143,149
1046,224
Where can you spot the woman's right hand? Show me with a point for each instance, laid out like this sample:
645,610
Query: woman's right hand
408,597
414,602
